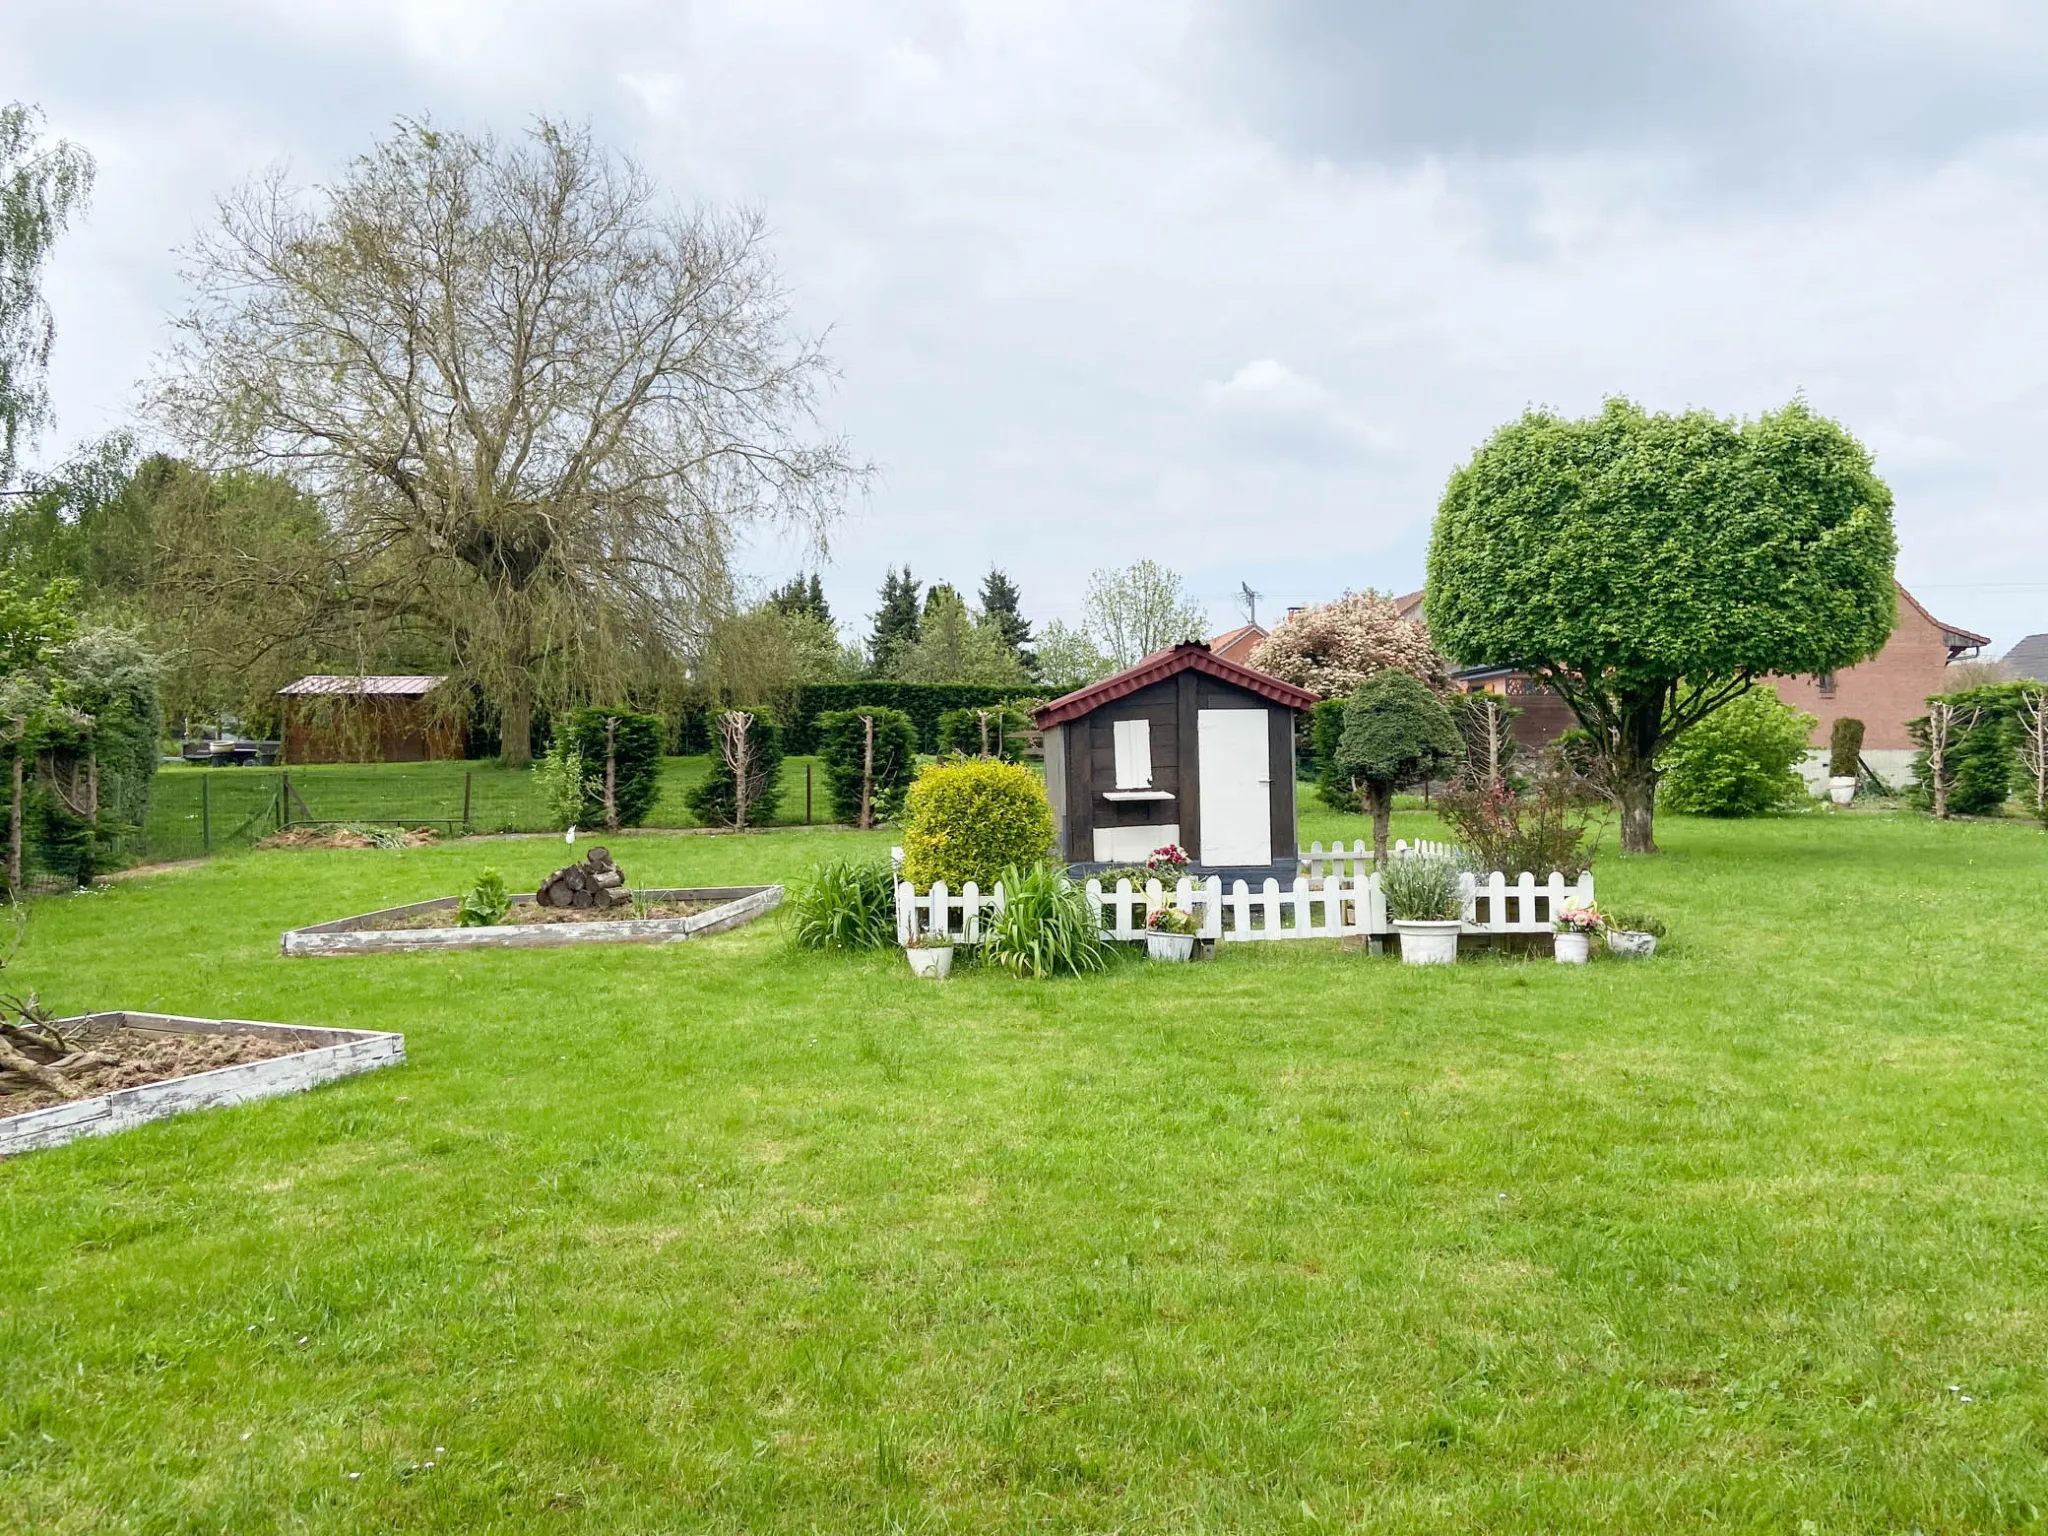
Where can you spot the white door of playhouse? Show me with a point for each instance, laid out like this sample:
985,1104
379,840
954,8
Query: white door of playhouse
1237,786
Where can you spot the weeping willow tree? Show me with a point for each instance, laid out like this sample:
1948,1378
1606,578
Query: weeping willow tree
536,406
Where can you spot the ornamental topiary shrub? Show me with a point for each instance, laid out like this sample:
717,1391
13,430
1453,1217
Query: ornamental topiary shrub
1325,730
842,737
716,801
1742,760
1845,748
630,745
1396,732
970,820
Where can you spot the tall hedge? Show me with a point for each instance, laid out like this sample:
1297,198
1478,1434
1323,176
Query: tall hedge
1984,762
842,743
714,800
961,731
973,819
635,745
923,702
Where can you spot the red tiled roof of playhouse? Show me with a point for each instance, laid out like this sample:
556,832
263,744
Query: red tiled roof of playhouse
1194,656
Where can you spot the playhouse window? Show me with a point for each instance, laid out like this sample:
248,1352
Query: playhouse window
1133,754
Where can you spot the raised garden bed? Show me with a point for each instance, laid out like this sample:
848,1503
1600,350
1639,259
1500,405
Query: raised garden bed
164,1064
431,924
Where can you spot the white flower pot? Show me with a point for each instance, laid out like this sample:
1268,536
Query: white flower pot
937,964
1428,943
1574,948
1169,946
1621,941
1842,790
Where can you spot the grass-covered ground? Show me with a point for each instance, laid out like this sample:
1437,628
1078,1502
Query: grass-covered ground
718,1236
190,805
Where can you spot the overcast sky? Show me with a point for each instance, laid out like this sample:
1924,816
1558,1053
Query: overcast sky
1230,285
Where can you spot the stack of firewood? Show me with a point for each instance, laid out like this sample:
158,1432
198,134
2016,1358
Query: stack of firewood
592,881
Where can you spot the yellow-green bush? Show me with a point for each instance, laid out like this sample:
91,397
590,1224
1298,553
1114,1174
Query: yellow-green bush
970,820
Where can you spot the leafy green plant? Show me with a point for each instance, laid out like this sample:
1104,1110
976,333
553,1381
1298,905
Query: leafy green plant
1845,748
625,745
1422,887
1396,732
558,774
931,938
971,820
1171,920
1636,922
1046,927
485,904
1741,760
845,904
990,730
1540,828
843,743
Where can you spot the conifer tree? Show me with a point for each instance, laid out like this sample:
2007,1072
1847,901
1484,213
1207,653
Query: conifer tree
896,623
1000,610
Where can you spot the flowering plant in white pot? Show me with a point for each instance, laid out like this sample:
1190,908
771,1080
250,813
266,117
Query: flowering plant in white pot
931,955
1170,933
1426,903
1575,927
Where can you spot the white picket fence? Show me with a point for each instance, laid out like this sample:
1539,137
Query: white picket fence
1340,906
1316,862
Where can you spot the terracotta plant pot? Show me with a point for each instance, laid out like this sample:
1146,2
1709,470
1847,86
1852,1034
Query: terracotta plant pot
934,964
1574,948
1171,947
1428,943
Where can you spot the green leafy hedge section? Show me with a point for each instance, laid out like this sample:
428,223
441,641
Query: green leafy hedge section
716,800
924,703
842,741
627,743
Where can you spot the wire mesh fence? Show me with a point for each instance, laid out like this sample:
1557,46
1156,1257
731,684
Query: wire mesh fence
196,812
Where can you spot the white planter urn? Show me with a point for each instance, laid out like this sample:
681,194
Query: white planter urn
1171,947
933,964
1574,948
1621,941
1428,943
1842,790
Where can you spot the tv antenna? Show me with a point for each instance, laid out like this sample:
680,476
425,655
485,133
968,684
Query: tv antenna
1250,600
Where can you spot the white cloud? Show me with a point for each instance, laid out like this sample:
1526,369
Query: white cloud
1079,295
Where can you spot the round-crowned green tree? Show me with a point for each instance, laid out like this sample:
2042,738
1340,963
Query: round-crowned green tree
1650,568
1395,732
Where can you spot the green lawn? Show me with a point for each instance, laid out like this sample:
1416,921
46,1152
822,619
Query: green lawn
229,805
723,1237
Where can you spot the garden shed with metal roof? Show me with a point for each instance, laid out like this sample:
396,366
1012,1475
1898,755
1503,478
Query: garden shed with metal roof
369,719
1186,747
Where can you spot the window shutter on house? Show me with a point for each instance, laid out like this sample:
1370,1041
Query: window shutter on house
1133,754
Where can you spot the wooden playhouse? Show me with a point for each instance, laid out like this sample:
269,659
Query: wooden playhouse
1185,747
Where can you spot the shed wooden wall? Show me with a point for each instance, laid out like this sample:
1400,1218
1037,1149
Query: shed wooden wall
341,728
1088,765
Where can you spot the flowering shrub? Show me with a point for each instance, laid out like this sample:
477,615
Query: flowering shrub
1330,648
1168,863
1171,920
1538,829
1587,919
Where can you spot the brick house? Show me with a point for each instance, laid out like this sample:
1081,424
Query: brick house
1884,692
1238,644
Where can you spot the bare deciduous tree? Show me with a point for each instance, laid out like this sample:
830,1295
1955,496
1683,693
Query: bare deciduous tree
41,186
536,405
1140,609
736,746
2033,733
1946,725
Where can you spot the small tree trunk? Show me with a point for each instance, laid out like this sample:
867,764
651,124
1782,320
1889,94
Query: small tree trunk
14,825
1636,794
1492,744
611,773
867,773
1379,799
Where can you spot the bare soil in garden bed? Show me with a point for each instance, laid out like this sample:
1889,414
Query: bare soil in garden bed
529,915
134,1057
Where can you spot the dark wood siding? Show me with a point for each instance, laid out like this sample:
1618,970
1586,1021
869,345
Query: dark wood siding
381,728
1280,763
1159,706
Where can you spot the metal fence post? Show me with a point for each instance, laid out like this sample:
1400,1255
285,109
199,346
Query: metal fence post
807,794
465,799
206,812
284,798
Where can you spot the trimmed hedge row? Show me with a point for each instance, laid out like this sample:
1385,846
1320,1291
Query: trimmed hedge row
924,703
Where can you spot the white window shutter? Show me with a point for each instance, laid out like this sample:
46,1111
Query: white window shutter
1133,754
